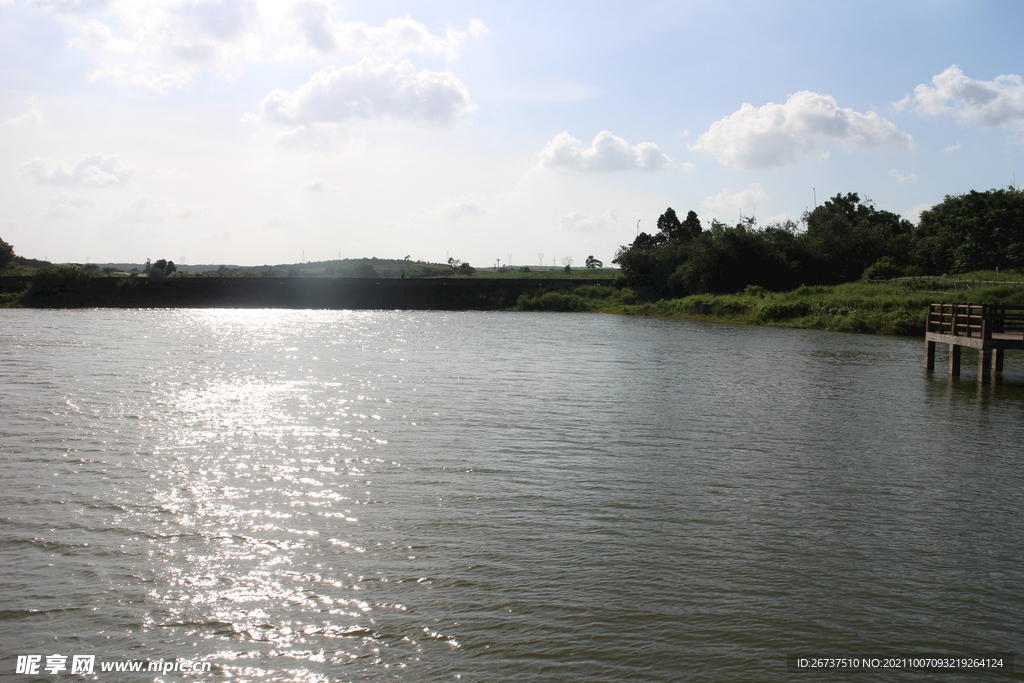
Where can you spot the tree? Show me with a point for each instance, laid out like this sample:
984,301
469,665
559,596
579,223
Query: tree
454,263
593,263
161,268
567,262
973,231
6,254
669,225
846,235
691,226
671,230
729,259
364,269
466,269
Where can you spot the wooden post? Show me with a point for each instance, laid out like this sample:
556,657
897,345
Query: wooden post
997,362
985,364
954,360
929,356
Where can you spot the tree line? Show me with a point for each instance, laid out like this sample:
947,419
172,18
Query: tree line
844,239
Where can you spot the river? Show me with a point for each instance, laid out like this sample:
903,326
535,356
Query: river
434,496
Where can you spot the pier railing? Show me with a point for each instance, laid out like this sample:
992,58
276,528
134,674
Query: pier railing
977,320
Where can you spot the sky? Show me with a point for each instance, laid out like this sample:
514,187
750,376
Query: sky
261,132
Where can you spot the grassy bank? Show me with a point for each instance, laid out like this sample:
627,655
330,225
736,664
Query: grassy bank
895,307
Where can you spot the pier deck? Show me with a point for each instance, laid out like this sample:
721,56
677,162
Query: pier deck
989,328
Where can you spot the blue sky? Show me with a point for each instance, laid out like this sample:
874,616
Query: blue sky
250,132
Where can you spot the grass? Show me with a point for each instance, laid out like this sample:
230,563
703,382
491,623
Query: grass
895,307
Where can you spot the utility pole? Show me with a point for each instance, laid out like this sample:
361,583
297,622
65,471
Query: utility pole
637,227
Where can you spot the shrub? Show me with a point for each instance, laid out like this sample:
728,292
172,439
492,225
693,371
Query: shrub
777,311
884,268
552,301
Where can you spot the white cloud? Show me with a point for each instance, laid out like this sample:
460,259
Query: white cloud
987,104
147,210
901,178
32,117
64,206
728,205
581,222
160,44
608,152
315,186
465,206
70,6
397,37
778,134
368,91
144,211
94,170
953,148
477,27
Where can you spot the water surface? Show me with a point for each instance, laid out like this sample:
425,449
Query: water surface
431,496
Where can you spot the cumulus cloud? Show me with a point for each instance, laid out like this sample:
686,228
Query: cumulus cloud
607,152
144,211
463,207
727,204
32,117
778,134
903,178
94,170
478,28
368,91
998,103
581,222
64,206
160,44
316,186
397,37
70,6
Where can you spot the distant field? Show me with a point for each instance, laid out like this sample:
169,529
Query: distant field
555,274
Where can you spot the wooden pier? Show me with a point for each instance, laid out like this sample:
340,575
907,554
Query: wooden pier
990,328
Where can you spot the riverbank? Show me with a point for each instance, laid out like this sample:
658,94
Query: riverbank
69,288
894,307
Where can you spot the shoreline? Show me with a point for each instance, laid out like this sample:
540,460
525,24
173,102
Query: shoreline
893,307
